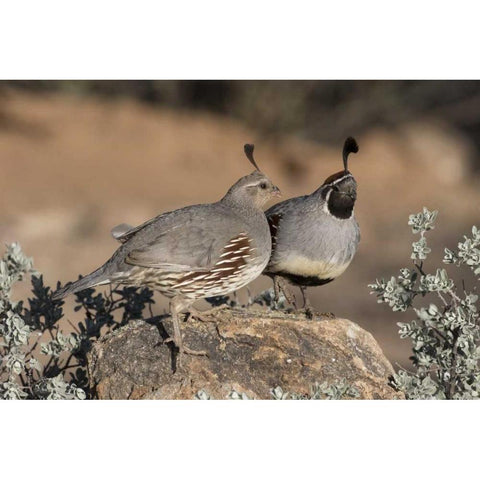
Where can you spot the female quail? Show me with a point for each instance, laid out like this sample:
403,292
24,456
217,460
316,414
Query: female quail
195,252
315,237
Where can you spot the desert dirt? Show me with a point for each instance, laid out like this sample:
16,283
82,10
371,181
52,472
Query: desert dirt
73,167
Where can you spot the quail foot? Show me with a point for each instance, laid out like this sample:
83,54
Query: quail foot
314,237
195,252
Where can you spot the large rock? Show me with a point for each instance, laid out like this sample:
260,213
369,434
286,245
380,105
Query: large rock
248,351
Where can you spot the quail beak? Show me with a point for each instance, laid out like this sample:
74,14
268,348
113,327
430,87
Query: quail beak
276,192
350,195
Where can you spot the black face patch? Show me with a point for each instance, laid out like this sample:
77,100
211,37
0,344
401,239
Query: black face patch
340,205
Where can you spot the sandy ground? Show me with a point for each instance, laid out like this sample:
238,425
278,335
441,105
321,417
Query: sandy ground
71,168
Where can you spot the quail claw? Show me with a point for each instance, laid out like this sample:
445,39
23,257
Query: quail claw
199,353
202,316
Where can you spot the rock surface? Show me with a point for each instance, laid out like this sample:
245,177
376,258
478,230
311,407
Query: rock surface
249,351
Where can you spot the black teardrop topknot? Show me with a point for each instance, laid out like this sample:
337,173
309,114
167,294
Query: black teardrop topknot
248,149
350,146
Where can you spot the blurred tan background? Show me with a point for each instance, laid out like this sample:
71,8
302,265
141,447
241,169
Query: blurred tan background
77,158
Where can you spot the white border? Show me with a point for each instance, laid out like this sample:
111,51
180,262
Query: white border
248,39
241,439
256,39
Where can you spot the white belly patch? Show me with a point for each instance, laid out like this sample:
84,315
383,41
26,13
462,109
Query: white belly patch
305,267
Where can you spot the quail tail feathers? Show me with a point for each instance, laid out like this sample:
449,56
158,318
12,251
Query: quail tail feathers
98,277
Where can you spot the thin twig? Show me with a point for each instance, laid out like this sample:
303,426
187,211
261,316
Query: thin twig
24,384
445,303
454,296
420,268
453,375
34,346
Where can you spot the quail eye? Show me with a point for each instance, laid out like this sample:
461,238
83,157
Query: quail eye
263,185
335,188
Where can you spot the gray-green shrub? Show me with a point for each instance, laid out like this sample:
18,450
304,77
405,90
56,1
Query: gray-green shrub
445,335
37,359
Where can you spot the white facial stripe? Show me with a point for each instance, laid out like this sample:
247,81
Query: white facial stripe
325,205
349,175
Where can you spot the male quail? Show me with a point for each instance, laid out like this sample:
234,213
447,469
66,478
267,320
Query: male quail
314,237
195,252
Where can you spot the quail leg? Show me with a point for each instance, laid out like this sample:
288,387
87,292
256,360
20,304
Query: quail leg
175,308
276,293
307,306
280,286
250,298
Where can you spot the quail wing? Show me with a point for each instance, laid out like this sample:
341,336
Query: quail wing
188,239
